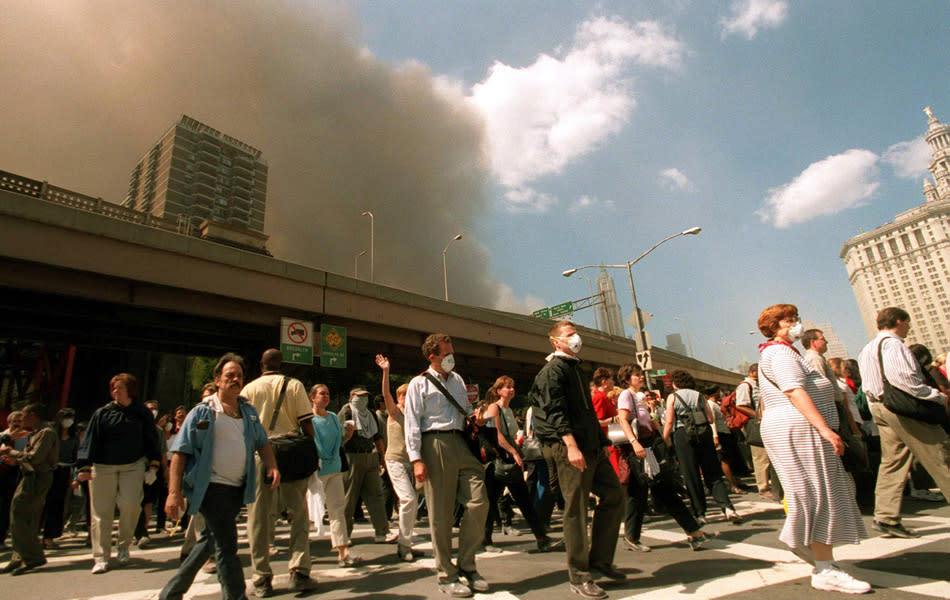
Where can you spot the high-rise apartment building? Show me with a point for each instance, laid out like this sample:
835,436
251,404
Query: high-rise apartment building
611,321
196,174
905,263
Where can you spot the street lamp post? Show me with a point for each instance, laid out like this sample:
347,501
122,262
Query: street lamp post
641,337
689,344
445,270
356,265
372,244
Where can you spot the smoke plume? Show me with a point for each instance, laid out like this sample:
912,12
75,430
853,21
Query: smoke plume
91,86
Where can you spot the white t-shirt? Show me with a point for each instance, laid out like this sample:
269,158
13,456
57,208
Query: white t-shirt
229,458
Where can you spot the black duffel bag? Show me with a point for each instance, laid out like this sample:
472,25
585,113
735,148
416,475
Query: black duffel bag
296,452
900,402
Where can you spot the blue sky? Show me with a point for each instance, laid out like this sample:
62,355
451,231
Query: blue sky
748,96
552,134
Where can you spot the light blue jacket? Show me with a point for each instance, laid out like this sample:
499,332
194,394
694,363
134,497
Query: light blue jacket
196,439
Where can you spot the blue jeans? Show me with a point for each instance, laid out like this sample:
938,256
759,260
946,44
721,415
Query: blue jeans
220,509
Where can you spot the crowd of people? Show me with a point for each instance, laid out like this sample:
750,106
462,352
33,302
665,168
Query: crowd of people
821,436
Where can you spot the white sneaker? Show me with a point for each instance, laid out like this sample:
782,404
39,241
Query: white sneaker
833,579
99,567
122,555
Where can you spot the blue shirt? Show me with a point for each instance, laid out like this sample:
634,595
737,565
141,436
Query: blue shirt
328,435
196,439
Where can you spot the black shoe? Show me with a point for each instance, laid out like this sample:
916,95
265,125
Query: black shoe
547,544
11,566
263,588
608,571
897,530
588,589
300,582
26,568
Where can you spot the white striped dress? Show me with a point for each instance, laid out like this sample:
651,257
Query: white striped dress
818,491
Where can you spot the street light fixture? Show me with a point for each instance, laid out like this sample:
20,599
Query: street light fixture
641,338
372,244
445,271
356,265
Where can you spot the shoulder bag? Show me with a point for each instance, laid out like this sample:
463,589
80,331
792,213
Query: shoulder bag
753,435
296,452
505,466
476,438
900,402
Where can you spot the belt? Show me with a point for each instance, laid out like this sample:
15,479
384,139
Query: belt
442,432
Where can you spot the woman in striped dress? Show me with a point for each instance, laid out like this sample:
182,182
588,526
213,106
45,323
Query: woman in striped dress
798,423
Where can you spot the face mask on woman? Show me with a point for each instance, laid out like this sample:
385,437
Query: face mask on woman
67,423
795,331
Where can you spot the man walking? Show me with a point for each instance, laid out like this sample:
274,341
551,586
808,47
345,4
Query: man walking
437,408
364,452
575,448
284,407
902,438
213,466
37,462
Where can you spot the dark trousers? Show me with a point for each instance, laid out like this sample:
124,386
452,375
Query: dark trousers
519,491
665,493
55,508
8,483
576,486
700,463
26,509
220,509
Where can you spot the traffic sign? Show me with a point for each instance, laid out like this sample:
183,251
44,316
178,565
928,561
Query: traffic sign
471,391
542,313
645,360
296,341
333,346
564,308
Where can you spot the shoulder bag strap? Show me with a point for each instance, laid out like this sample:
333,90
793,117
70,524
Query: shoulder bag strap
445,393
880,361
280,402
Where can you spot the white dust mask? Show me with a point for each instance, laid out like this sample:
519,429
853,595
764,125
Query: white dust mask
448,363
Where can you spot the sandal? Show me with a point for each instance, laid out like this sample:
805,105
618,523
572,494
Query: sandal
349,561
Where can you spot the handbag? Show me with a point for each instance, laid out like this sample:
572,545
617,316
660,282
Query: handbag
900,402
505,466
531,449
296,452
476,438
753,435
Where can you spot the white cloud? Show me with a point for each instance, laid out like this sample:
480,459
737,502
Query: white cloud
542,116
826,187
585,203
525,199
675,180
909,159
747,16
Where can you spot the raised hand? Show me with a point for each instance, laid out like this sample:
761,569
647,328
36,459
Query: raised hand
382,362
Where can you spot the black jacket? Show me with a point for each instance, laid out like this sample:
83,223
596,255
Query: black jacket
560,396
119,435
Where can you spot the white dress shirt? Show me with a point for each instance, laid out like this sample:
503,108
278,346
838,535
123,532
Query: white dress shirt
428,410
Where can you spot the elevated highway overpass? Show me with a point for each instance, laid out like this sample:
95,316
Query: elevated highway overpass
72,276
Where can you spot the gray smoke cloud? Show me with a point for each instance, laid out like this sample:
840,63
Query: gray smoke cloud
90,86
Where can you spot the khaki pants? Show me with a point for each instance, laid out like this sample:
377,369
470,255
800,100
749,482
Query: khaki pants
335,500
25,511
902,437
760,465
363,480
115,486
454,476
576,486
260,523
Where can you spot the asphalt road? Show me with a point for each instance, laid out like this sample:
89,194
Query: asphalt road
745,561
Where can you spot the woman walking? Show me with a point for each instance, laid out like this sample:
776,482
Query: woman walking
798,429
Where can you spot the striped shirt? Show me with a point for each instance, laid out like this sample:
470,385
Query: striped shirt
900,367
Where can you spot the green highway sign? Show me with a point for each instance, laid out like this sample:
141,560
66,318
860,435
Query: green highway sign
564,308
658,372
333,346
543,313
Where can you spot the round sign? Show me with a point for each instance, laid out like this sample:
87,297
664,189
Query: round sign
297,332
